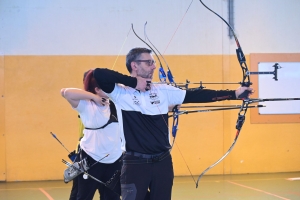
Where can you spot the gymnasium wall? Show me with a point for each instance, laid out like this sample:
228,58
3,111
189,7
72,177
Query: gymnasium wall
47,45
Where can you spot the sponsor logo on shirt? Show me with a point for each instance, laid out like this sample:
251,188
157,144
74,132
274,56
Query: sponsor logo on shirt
153,96
155,102
135,100
154,99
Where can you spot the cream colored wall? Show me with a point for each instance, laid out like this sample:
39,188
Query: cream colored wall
33,107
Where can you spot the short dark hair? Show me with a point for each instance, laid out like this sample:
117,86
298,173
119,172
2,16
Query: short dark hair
134,54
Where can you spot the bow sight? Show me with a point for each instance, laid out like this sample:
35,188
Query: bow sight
276,67
247,73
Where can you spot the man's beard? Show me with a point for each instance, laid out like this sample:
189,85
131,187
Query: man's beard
147,76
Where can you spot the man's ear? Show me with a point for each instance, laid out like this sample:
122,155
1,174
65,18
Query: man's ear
133,66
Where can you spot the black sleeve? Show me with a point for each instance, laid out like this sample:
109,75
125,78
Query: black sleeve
107,79
204,96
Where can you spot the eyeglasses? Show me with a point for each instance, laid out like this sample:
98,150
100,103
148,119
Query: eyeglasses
148,62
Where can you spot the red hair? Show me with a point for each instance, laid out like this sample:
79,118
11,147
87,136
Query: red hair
89,82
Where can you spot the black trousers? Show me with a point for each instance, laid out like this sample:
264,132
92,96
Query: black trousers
74,189
102,172
138,174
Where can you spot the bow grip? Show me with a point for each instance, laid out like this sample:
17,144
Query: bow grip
244,95
240,121
175,121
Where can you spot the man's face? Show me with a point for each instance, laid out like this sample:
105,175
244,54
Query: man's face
145,66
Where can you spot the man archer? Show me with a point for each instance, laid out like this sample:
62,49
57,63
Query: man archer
142,110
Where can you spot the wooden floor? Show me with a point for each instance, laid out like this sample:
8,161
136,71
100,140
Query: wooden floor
255,186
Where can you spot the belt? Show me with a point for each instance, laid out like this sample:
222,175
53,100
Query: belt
141,155
146,158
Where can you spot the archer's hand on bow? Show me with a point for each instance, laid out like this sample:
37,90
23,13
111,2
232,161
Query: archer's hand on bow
143,84
245,92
